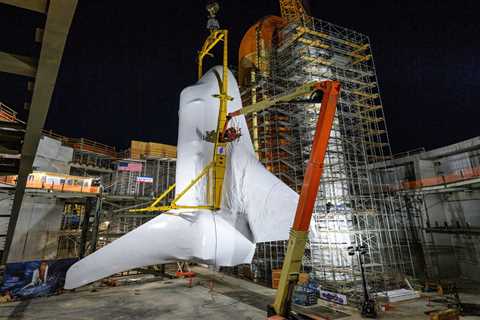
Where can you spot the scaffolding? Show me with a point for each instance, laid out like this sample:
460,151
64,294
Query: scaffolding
69,239
354,205
160,170
127,191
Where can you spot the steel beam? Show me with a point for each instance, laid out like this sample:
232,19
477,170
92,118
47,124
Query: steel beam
17,64
59,18
33,5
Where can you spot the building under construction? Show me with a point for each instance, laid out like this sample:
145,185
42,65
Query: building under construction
353,207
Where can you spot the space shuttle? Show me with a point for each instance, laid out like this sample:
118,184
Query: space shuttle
256,206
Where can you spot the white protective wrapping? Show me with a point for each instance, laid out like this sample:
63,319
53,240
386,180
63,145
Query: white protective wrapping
256,206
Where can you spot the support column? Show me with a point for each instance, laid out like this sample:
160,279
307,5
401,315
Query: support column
96,223
85,227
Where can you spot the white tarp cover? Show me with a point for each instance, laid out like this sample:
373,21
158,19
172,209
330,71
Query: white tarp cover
256,206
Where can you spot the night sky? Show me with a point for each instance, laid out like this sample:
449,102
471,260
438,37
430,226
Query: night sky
126,62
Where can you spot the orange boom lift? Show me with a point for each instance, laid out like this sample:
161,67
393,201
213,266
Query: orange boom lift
299,232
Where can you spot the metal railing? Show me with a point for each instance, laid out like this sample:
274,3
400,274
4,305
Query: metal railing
456,176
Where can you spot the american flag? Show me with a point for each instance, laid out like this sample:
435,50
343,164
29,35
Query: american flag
130,166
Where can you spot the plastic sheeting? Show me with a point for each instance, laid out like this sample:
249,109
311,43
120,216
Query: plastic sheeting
256,206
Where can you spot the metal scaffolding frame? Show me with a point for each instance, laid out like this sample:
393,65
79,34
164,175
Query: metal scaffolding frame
162,170
354,205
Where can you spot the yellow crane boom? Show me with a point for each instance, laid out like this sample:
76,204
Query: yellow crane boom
292,10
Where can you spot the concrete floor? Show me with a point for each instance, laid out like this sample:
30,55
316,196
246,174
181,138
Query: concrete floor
146,301
224,298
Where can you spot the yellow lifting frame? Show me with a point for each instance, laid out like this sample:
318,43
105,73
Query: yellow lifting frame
219,156
219,153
